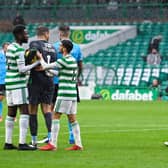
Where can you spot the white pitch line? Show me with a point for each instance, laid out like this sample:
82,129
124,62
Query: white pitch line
109,126
108,131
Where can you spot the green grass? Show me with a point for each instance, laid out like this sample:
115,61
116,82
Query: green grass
114,134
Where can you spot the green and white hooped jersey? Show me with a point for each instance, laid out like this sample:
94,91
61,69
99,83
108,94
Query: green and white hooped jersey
14,79
67,78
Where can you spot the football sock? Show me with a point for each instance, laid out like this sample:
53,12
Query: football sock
54,131
76,133
0,108
33,127
48,120
49,136
71,137
9,125
34,139
23,125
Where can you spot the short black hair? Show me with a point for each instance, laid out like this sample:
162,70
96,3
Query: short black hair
18,29
67,44
64,28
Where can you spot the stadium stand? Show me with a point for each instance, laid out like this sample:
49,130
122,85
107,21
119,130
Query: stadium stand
127,61
120,65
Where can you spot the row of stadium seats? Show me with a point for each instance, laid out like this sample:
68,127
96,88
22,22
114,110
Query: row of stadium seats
124,65
32,2
126,76
142,27
112,59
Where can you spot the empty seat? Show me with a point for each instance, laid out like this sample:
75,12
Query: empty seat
136,77
127,76
146,74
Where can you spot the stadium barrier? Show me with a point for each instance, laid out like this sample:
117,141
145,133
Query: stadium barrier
124,33
118,12
130,93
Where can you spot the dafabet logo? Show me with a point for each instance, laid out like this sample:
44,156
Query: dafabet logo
86,35
128,94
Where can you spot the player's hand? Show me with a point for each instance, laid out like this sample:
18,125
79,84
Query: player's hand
43,63
39,55
39,68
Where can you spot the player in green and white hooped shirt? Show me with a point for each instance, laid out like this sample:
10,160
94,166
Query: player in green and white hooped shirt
67,96
16,89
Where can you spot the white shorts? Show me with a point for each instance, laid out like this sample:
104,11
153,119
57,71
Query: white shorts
17,97
66,106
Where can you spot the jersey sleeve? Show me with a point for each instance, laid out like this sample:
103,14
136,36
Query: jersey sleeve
21,63
76,52
60,63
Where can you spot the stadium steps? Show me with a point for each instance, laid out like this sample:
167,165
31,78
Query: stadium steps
132,53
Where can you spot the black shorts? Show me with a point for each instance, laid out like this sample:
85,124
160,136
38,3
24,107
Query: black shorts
40,94
2,89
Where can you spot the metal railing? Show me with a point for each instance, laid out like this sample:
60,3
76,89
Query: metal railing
87,12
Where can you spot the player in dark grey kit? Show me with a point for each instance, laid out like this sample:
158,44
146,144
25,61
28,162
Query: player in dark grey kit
40,85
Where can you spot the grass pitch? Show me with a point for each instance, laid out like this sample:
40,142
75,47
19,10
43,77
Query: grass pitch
114,134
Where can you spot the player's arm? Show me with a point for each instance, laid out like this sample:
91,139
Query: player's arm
45,65
52,72
80,64
80,67
21,64
79,59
